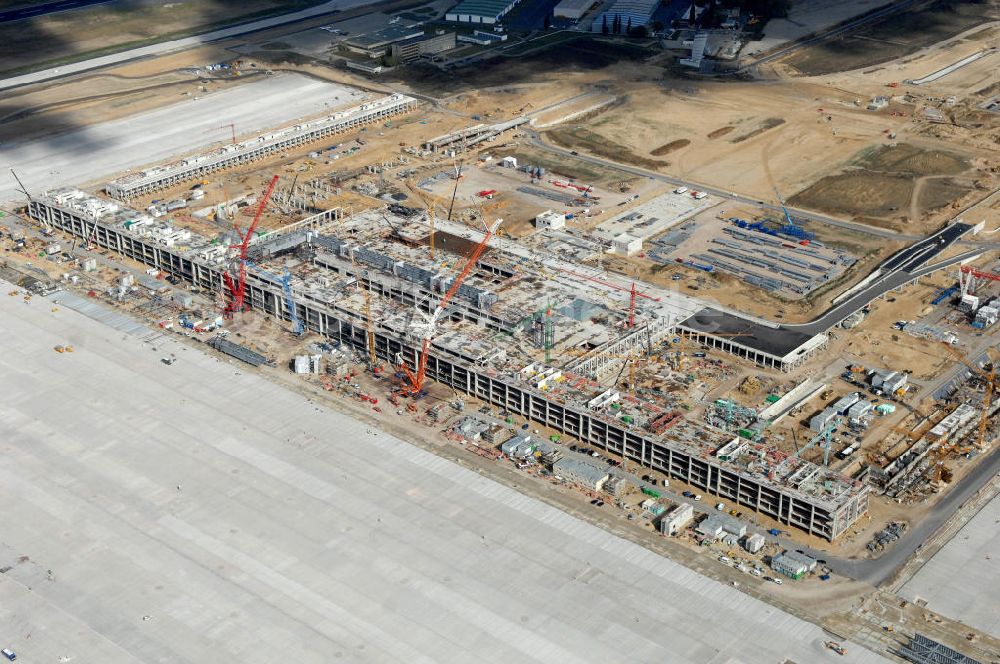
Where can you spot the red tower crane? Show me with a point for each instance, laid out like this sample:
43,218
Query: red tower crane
237,289
633,293
417,379
967,276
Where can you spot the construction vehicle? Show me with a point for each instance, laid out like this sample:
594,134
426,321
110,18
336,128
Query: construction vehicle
836,647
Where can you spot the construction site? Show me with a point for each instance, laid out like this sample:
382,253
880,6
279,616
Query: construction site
751,322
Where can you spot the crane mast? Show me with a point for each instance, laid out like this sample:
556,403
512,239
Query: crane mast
237,288
417,379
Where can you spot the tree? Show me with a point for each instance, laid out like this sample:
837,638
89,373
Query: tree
640,33
657,26
628,28
604,25
548,22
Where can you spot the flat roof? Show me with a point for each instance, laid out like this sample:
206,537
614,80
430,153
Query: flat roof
774,340
219,507
393,33
574,4
490,8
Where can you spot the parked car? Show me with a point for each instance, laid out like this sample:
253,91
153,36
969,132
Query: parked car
688,494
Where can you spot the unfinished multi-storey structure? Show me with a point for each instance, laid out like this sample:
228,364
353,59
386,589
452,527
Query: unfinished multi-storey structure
160,177
528,332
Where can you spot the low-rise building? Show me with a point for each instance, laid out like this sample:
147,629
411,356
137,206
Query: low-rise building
717,525
518,447
616,485
580,472
483,38
819,421
843,403
376,44
676,519
626,245
754,543
793,564
889,381
411,49
860,410
550,219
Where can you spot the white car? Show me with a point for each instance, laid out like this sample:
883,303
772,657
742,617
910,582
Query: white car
755,572
697,496
723,559
775,580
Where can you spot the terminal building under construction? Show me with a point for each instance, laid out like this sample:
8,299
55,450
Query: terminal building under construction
531,334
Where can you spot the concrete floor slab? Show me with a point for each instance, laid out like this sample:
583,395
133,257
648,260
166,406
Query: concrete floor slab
200,513
109,148
958,581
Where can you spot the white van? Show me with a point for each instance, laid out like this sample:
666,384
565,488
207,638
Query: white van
680,190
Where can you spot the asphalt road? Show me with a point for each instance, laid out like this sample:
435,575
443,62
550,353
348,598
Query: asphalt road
832,32
899,269
880,570
178,44
48,8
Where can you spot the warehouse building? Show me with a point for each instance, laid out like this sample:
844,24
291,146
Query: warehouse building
572,9
630,12
488,12
376,44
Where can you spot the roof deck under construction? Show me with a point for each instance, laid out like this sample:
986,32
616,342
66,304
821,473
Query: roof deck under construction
527,331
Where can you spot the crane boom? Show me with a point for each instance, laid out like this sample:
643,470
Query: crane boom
237,289
417,379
